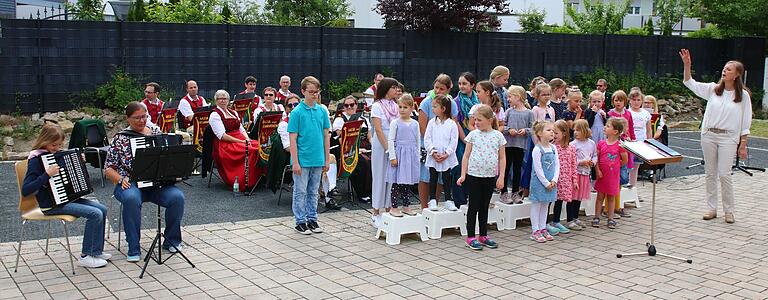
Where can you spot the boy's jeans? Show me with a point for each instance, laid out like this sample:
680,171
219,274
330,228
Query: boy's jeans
305,194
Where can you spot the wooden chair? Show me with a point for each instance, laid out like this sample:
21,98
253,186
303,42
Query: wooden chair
30,211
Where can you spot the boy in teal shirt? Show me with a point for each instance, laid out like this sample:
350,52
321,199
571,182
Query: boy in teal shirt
308,127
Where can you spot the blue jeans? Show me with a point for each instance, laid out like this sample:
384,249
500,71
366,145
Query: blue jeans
95,214
169,197
305,194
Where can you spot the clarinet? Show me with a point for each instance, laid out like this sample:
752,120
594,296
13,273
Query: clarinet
247,145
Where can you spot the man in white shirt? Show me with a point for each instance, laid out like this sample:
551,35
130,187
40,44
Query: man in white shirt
283,93
190,102
372,89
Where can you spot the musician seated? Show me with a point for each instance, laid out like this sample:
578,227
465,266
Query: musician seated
36,182
189,103
268,104
348,114
118,170
229,145
361,177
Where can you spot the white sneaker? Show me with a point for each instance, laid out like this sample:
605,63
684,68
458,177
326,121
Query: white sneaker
92,262
104,256
449,205
432,205
376,221
173,250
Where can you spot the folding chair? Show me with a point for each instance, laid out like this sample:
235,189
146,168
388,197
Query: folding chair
30,211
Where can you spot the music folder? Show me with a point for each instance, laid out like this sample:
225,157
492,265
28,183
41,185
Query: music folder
652,152
163,164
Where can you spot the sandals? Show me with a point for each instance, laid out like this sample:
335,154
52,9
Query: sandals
611,224
596,222
409,211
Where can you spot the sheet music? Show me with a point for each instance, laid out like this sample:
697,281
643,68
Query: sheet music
643,150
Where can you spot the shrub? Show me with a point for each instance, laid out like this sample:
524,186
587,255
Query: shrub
339,90
663,86
119,90
633,31
709,32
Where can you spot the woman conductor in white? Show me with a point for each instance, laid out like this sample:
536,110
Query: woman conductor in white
724,129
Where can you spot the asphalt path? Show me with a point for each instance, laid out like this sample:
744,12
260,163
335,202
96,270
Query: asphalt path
217,204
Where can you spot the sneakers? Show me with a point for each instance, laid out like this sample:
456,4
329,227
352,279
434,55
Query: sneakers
506,199
536,236
92,262
516,198
133,258
176,249
473,244
303,229
488,242
573,226
596,222
395,212
546,235
624,213
562,228
710,215
611,224
432,205
449,205
729,218
314,227
331,205
580,223
104,256
552,230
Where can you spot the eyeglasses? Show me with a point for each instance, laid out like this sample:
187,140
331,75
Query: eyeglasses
269,95
139,118
350,105
600,85
312,92
222,98
293,104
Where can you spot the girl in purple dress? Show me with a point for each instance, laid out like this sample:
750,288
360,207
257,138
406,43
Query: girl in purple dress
404,150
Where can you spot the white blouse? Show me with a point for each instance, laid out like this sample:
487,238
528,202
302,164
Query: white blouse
441,137
722,112
217,125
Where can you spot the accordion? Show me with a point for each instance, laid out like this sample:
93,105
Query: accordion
72,182
151,141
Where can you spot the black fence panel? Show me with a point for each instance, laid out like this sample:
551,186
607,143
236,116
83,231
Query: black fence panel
46,64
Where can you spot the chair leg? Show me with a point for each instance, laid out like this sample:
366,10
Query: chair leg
18,251
69,249
120,225
101,167
47,237
280,194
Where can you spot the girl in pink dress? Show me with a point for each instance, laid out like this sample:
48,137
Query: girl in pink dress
610,158
567,185
620,110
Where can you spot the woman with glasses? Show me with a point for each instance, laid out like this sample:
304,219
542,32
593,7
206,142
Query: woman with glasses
361,176
118,170
268,104
229,145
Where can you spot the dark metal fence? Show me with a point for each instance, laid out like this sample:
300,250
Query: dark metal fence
45,63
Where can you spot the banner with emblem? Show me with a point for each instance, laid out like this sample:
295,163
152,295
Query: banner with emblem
167,120
267,124
349,142
199,122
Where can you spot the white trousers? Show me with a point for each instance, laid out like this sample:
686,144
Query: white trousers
380,191
719,152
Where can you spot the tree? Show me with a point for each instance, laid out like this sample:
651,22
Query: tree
245,12
307,12
456,15
137,12
598,17
532,21
226,14
185,11
734,17
649,30
670,12
88,10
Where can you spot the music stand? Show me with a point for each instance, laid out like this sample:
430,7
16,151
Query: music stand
162,165
352,148
653,153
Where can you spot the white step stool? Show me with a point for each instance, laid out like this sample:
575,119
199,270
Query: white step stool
494,217
589,206
629,195
438,220
510,213
394,227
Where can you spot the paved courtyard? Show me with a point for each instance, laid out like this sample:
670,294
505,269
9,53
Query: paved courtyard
262,259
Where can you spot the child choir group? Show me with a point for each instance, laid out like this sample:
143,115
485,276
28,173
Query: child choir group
556,147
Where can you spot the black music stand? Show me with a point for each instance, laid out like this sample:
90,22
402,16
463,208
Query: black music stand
162,165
